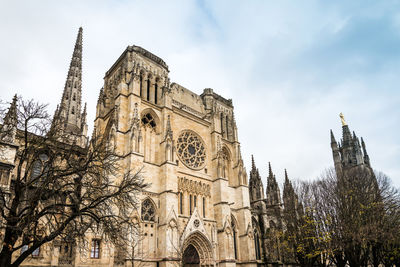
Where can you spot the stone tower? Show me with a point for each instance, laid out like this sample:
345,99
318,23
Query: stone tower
197,204
69,121
350,152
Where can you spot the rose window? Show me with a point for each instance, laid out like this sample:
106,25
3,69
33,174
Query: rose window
191,150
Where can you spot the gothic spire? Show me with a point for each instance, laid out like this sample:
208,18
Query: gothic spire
270,174
288,190
333,140
254,175
286,177
69,117
253,165
168,130
256,186
366,157
273,192
9,127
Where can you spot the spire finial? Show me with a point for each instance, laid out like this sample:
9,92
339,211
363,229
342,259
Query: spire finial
286,176
253,164
270,170
342,119
333,140
9,128
84,114
168,130
366,157
11,116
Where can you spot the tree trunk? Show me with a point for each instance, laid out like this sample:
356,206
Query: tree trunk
5,258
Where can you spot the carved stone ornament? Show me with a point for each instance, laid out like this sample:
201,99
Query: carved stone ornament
193,187
191,150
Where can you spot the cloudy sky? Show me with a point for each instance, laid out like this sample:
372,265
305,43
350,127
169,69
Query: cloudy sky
290,66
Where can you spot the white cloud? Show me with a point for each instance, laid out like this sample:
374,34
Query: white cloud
282,64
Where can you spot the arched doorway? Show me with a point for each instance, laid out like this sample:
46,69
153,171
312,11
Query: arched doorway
191,257
197,251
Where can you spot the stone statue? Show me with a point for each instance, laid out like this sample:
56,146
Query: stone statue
342,118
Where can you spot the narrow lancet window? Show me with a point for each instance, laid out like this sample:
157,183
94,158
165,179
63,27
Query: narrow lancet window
204,207
155,93
222,124
226,126
180,203
190,204
140,85
148,90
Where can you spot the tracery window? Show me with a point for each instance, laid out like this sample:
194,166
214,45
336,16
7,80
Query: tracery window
39,166
148,120
191,150
148,211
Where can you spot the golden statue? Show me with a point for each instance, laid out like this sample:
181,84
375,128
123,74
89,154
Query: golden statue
342,118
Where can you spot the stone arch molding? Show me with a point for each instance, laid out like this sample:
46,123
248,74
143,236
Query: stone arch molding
196,235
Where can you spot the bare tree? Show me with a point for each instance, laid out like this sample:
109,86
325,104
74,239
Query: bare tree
356,217
60,190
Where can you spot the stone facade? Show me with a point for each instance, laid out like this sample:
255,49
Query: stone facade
199,208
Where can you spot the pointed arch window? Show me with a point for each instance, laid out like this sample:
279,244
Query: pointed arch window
148,211
233,224
39,167
257,244
73,110
74,97
36,169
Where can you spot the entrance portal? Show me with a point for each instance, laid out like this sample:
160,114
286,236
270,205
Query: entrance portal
191,257
197,251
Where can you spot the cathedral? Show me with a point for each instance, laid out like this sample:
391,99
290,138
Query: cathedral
200,208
